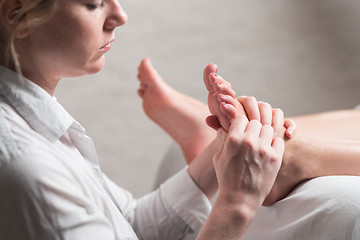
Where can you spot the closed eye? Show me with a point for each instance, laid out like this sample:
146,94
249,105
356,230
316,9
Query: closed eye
94,6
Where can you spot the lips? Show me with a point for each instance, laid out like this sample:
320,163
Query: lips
107,46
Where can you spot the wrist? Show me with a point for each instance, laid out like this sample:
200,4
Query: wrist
227,220
202,170
239,210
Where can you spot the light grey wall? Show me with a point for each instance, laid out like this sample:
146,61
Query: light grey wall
302,56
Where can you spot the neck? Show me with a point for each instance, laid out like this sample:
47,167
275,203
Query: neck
46,83
36,70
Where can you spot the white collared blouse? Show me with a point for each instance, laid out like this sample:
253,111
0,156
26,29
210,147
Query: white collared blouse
51,185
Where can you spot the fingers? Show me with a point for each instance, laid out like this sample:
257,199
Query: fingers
238,126
265,113
277,120
251,107
258,134
254,128
267,134
279,146
290,126
213,122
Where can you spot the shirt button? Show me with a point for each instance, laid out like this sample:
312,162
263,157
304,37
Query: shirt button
95,172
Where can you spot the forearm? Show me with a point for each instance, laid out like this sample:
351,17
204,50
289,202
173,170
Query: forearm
202,171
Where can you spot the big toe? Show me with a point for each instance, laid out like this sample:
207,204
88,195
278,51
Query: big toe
211,68
148,72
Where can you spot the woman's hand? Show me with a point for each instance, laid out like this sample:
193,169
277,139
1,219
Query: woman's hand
264,113
248,161
246,166
291,172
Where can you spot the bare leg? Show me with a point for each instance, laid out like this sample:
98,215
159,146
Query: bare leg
340,125
182,117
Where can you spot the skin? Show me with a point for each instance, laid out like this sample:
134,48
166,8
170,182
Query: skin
248,178
73,43
245,168
183,117
160,101
314,151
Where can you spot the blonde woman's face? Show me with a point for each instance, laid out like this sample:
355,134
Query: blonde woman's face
73,42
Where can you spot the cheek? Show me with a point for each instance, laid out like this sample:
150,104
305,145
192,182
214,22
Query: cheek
74,44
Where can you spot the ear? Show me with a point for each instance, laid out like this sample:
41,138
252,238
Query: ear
9,14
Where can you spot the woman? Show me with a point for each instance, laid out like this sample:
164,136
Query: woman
51,185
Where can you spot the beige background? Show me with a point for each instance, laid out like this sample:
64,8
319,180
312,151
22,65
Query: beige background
302,56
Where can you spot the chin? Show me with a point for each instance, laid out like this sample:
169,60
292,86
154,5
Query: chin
86,69
95,67
95,70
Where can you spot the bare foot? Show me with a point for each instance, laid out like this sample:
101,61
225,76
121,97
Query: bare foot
220,97
181,116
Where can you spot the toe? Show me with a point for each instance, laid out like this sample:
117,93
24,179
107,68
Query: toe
211,68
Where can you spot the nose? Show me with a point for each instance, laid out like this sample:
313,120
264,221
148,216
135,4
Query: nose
117,16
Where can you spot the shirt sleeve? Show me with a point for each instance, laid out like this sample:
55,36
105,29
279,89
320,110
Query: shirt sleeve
177,208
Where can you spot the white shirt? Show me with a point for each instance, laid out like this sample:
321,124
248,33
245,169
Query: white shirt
51,185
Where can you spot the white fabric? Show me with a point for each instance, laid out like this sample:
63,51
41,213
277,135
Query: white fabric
325,208
51,185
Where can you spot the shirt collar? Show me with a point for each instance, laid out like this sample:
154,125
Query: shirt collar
40,110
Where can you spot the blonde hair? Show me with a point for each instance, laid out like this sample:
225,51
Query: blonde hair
29,13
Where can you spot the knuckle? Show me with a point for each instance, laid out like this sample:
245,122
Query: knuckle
233,140
263,152
243,119
241,99
248,143
274,159
255,122
250,99
278,111
264,105
268,128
